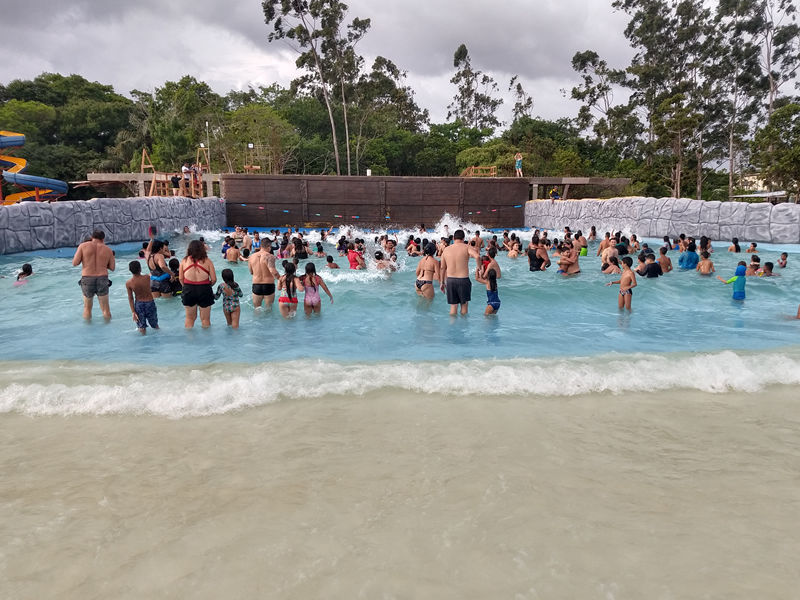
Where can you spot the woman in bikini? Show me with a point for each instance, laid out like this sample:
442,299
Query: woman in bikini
427,273
197,277
289,284
312,303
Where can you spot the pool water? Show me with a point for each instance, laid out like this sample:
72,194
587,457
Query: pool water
377,316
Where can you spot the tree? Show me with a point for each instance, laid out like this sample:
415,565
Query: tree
523,103
780,45
473,103
274,140
776,149
313,25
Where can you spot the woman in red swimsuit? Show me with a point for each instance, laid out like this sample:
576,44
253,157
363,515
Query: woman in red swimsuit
198,277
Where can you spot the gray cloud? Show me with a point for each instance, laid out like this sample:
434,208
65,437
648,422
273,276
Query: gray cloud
142,44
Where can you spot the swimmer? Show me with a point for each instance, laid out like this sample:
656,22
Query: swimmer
689,258
612,268
454,273
734,247
160,275
705,266
753,248
262,268
664,260
319,253
783,259
568,262
427,272
492,264
330,263
197,276
592,234
140,298
289,284
754,266
478,241
96,260
27,271
766,270
230,292
233,254
738,280
354,257
652,269
174,282
312,303
626,284
492,298
604,243
514,252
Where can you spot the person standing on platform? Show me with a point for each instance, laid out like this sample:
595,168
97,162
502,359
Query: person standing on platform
518,163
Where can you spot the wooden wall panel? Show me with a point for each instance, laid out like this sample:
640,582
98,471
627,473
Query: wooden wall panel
324,200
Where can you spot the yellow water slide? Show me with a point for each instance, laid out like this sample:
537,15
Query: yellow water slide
13,167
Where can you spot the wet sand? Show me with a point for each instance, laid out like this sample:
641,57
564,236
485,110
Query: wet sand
392,495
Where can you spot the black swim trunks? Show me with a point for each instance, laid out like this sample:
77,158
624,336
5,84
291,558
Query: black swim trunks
263,289
459,290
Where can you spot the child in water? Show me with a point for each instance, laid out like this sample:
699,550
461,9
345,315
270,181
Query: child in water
289,284
490,281
626,283
782,260
705,266
312,303
230,292
738,280
140,298
22,276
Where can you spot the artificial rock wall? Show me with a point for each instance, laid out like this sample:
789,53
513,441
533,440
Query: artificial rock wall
657,217
41,225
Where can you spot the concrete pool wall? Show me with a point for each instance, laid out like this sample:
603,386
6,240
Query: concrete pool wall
40,225
657,217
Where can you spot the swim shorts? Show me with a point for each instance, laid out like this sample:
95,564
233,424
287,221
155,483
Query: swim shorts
201,295
146,313
626,293
263,289
94,285
459,290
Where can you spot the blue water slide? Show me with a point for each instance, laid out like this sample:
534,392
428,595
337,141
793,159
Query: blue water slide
32,181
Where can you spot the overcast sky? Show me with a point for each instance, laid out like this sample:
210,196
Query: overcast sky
142,44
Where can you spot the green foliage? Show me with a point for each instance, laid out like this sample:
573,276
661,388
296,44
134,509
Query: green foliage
776,149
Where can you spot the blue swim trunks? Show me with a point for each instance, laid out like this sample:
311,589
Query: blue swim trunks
146,313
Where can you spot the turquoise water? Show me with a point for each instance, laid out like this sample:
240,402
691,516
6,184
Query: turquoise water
378,317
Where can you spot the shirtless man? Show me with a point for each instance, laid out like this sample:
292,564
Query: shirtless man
232,254
478,241
247,241
568,263
454,273
262,267
96,259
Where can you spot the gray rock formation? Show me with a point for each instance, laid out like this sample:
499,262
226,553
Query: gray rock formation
39,225
657,217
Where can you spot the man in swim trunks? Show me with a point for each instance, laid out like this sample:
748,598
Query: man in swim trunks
454,273
96,259
262,267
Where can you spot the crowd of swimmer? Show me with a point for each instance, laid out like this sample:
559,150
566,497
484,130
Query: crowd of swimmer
445,262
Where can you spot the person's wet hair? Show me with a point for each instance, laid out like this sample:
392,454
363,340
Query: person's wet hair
329,258
98,234
196,250
135,267
628,261
458,234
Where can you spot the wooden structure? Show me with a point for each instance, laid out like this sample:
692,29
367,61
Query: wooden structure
479,172
321,200
566,182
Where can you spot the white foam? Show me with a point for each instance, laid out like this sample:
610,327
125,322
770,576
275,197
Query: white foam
66,389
